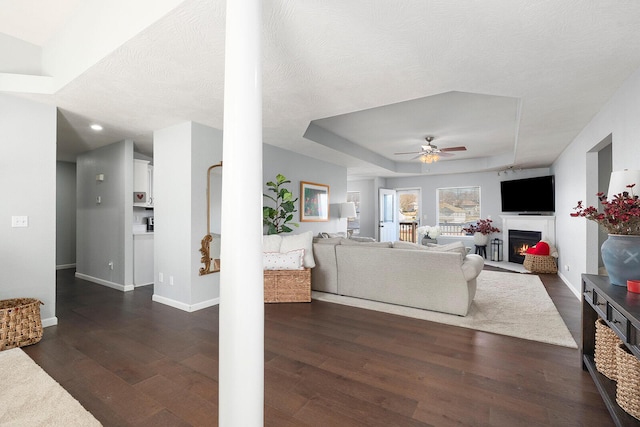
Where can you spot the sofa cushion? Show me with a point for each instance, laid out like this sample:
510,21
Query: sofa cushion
300,241
450,247
409,245
349,242
292,260
327,241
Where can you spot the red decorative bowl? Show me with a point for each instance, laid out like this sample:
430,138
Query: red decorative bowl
633,286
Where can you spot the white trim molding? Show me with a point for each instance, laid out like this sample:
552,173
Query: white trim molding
190,308
117,286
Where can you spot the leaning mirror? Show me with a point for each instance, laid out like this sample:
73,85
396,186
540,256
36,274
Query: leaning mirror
210,245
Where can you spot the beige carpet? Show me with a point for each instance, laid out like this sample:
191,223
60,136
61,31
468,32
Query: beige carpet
30,397
506,303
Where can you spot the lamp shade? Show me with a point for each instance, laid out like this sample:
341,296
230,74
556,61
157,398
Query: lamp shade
348,210
619,181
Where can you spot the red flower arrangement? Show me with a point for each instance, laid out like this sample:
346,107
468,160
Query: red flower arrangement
621,215
483,226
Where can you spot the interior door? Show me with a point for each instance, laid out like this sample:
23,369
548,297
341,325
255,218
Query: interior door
388,226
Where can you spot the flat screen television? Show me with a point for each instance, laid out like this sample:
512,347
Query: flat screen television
528,195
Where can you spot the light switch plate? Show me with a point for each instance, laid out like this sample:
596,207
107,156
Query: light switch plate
19,221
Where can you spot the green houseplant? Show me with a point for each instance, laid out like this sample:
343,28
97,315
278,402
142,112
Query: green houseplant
277,217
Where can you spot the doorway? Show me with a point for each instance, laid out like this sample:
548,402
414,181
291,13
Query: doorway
408,213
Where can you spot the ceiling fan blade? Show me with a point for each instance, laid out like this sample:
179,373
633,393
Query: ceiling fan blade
454,149
409,152
417,157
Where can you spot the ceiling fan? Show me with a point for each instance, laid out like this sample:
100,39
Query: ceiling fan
431,153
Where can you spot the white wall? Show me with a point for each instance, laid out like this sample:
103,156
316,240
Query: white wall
298,168
576,177
104,230
65,215
28,187
182,155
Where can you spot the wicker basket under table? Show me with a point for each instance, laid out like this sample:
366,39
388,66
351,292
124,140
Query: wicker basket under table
628,386
540,263
287,285
20,322
605,350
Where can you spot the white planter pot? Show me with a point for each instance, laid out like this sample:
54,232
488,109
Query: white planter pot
480,239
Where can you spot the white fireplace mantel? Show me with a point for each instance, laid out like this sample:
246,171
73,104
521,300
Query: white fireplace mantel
545,224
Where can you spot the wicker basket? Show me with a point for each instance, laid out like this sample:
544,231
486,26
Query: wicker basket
628,387
287,285
605,352
20,322
540,263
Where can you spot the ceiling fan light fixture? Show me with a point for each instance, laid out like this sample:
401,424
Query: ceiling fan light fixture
429,158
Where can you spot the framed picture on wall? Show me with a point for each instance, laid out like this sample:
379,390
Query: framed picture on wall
314,201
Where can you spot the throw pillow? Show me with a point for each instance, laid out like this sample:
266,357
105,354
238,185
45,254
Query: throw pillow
300,241
291,260
271,243
541,248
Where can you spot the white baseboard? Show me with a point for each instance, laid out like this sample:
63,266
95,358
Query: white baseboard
185,307
49,321
65,266
576,292
118,286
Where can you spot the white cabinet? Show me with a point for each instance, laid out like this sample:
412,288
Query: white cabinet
142,259
142,183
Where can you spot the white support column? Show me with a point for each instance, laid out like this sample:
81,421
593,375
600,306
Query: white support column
241,343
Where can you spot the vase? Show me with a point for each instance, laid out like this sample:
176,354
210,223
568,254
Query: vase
480,239
621,258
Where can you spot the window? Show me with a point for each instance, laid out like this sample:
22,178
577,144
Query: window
457,207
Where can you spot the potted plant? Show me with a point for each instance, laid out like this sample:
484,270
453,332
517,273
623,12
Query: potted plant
428,234
481,231
620,217
277,217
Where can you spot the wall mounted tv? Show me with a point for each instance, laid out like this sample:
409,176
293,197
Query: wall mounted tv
529,195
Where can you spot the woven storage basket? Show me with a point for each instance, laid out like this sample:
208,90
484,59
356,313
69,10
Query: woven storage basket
540,263
628,387
287,285
605,352
20,322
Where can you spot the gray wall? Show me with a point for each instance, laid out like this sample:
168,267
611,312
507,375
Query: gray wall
28,188
182,155
65,215
104,230
368,205
576,172
489,183
298,168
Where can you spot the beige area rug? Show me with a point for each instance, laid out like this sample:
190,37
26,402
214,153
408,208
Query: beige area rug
506,303
30,397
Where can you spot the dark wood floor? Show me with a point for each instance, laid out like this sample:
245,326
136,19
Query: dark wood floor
131,361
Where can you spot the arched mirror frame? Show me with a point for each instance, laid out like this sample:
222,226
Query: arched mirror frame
210,245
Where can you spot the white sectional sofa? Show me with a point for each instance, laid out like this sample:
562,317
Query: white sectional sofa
439,278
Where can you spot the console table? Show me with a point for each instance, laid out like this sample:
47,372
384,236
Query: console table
621,311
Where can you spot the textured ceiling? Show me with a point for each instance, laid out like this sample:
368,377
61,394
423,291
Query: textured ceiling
513,81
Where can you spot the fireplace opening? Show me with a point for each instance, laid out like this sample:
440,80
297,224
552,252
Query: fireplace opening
519,242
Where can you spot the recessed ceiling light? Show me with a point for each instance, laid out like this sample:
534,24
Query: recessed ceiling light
96,127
